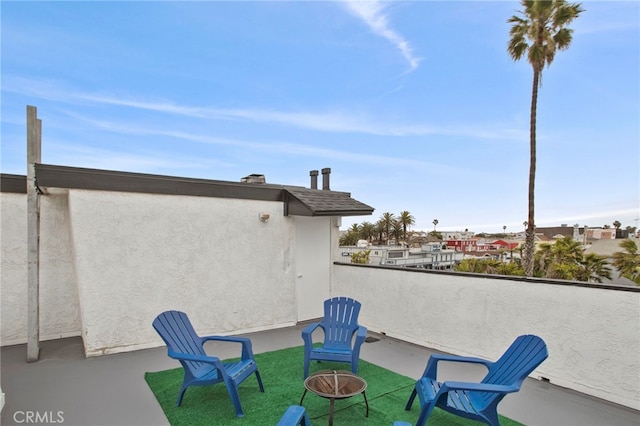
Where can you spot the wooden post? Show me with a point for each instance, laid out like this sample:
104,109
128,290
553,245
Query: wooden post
34,153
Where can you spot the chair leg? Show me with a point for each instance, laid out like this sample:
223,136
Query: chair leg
181,394
259,381
492,418
411,399
425,413
306,367
235,398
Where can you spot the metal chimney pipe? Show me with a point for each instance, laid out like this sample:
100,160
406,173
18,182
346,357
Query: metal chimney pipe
325,179
314,179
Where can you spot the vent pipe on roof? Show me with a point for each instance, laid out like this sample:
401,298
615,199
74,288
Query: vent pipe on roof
314,179
325,179
254,178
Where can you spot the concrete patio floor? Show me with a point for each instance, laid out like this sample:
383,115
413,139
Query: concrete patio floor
69,389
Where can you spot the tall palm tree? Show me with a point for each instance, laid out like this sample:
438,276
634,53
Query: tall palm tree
387,222
397,229
435,223
538,33
406,219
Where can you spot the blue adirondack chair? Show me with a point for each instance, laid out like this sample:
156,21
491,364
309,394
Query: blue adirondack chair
478,401
340,324
201,369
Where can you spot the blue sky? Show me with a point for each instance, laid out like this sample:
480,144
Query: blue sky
413,105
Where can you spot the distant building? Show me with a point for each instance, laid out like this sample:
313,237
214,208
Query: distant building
457,235
433,255
577,233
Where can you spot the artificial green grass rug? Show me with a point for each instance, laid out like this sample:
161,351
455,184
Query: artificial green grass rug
281,372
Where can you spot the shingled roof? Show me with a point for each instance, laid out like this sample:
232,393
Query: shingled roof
313,202
297,201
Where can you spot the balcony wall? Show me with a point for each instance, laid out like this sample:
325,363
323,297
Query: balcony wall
592,332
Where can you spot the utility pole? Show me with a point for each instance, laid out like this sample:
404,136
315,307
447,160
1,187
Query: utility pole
34,154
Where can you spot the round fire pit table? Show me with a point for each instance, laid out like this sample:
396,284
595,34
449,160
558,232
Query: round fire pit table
335,384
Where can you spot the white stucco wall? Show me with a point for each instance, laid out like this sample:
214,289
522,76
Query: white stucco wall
111,261
593,335
59,312
137,255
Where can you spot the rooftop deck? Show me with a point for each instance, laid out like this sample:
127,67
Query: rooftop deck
111,390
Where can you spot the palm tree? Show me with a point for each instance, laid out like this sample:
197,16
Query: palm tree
595,268
479,266
565,259
628,261
386,222
349,238
406,219
559,260
538,34
435,223
378,229
397,229
367,230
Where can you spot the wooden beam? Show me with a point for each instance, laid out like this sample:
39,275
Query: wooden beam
34,143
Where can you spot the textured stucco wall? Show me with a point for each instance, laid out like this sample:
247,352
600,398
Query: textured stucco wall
139,254
110,262
13,270
59,313
593,335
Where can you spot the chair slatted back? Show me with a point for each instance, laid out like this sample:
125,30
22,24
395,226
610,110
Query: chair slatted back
177,332
519,360
340,322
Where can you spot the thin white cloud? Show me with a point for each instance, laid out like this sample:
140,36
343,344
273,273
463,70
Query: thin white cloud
331,121
372,12
337,121
284,148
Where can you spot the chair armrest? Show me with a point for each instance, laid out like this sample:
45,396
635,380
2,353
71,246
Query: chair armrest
431,370
307,332
199,358
361,334
480,387
247,350
226,339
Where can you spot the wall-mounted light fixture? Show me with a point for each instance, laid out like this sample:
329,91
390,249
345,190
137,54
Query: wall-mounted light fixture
264,217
